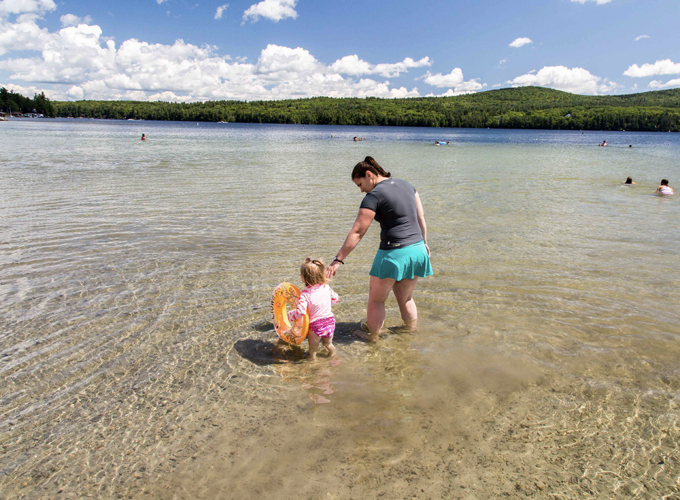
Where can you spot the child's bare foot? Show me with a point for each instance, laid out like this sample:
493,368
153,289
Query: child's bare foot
331,350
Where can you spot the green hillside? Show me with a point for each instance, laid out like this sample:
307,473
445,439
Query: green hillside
526,107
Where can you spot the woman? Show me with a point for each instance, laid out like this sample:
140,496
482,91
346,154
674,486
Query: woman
403,255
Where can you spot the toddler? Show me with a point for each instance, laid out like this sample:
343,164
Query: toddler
316,299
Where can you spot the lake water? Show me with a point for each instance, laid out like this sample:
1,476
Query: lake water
137,355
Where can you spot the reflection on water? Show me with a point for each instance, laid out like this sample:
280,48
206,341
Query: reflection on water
137,355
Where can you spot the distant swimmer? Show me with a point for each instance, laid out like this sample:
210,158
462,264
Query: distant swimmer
630,145
355,138
604,143
440,143
144,137
629,180
664,188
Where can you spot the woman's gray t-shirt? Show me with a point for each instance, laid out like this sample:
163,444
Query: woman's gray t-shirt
394,204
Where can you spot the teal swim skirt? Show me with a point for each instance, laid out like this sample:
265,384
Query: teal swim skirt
402,263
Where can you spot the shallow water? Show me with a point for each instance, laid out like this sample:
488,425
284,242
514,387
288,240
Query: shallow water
136,351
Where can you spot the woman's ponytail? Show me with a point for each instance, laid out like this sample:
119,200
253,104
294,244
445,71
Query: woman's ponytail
369,164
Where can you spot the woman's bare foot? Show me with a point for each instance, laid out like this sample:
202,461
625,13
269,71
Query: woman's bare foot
407,327
369,337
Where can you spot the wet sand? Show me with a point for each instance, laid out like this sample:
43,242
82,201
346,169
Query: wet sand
385,421
138,361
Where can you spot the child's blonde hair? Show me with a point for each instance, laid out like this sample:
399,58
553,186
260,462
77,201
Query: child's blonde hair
313,272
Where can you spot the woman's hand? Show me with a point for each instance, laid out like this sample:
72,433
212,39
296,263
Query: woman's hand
330,270
428,250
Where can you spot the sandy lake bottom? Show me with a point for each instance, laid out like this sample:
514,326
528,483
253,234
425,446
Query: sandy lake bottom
138,360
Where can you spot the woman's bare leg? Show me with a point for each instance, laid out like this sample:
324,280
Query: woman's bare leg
378,291
403,291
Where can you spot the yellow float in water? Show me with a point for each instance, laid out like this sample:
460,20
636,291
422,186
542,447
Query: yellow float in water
285,296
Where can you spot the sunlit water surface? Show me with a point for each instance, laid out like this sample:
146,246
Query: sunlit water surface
136,351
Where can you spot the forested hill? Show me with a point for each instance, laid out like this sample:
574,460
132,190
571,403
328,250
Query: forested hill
11,102
526,107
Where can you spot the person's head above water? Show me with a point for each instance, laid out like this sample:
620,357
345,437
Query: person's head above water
313,272
664,182
629,180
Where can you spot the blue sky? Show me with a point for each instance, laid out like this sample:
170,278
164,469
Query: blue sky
195,50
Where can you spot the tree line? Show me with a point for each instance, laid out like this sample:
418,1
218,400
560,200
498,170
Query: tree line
526,107
12,102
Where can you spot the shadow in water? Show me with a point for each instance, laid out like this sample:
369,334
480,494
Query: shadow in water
272,352
265,352
263,326
344,333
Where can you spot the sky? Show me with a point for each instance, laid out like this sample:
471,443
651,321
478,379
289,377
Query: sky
199,50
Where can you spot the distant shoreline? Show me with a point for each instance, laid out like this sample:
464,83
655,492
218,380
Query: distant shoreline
328,124
517,108
528,108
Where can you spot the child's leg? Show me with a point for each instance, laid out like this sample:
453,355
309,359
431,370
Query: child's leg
328,344
313,340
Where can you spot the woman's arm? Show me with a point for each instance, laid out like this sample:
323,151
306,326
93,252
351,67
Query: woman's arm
361,225
421,221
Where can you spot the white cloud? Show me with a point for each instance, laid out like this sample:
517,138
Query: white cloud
24,35
76,92
520,42
73,20
274,10
656,84
599,2
451,93
78,62
575,80
283,63
168,96
220,10
25,6
637,39
27,91
454,79
352,65
665,67
393,70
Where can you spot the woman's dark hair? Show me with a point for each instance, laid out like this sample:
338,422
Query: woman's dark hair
629,180
664,182
369,163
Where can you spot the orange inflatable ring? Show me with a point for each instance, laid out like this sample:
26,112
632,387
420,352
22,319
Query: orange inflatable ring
286,295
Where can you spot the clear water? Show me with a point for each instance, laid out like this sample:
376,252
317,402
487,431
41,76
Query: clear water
136,351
